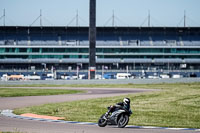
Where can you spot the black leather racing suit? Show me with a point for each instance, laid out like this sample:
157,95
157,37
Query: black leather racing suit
120,105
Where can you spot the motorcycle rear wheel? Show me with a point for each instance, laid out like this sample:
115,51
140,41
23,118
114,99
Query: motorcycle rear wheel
102,121
123,121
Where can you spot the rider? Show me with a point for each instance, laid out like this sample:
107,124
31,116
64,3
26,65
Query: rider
122,105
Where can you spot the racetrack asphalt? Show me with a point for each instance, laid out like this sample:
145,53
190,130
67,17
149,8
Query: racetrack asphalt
28,126
18,102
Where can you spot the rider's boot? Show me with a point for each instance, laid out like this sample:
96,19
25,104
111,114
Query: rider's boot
106,115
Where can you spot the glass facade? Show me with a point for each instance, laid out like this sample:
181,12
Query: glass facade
67,53
117,47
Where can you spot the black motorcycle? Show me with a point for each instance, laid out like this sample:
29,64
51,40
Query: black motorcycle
119,117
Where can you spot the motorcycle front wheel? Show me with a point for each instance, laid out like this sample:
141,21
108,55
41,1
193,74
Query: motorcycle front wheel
102,121
123,121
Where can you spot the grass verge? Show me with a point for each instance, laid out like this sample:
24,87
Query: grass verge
177,105
18,92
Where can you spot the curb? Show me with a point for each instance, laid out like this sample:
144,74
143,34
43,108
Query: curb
9,113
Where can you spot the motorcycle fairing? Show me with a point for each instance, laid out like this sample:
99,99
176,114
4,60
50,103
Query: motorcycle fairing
114,117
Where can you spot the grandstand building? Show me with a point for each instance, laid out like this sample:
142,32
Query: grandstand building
117,48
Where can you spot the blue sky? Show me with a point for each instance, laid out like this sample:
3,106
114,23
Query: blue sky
127,12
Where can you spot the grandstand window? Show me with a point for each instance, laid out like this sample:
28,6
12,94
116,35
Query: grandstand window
116,50
100,56
131,50
173,50
166,50
194,50
16,56
83,50
22,50
10,50
84,56
123,50
59,50
66,56
145,50
52,56
2,57
2,50
111,50
47,50
29,50
35,50
72,50
73,56
99,50
58,56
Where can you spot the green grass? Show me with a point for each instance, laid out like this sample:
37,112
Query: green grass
15,131
18,92
176,105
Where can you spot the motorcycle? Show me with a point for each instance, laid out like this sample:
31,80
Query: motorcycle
119,117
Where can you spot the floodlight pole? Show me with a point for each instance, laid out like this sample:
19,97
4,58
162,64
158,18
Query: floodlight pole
40,18
77,18
184,18
92,39
149,19
113,19
4,17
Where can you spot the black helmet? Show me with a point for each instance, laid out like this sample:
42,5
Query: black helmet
126,101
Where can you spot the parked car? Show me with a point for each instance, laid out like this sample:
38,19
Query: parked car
123,75
66,76
193,75
6,77
153,77
133,76
33,77
164,76
74,77
85,77
108,76
176,76
82,76
49,78
98,76
50,75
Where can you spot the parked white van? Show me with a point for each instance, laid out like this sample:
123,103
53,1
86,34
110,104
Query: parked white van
175,76
164,76
153,77
123,75
98,76
33,77
4,77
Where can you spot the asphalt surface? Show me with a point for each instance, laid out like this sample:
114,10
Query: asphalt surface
18,102
28,126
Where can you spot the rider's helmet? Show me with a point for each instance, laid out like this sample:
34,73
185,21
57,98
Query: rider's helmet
126,101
